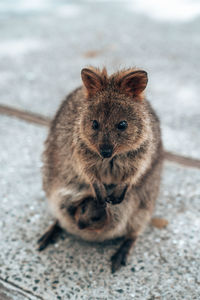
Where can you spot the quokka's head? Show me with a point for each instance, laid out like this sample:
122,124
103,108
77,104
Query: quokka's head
114,119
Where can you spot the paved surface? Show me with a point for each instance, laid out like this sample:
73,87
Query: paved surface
43,47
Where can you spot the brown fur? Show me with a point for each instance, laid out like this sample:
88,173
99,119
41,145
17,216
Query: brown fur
74,169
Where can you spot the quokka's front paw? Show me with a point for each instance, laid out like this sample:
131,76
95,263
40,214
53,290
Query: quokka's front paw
115,198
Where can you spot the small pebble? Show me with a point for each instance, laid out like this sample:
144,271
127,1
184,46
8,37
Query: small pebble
133,269
159,223
120,291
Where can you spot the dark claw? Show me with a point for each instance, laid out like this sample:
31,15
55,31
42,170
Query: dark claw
108,200
42,247
113,200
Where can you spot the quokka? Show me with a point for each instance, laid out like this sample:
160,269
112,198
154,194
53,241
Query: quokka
103,160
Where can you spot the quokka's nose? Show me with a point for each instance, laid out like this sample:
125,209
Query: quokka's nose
106,151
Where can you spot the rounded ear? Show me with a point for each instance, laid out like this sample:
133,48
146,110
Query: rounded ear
92,81
134,83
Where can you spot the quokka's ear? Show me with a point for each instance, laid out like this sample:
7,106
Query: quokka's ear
92,81
133,83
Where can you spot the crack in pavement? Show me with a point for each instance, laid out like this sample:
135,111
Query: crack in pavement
8,286
45,121
24,115
182,160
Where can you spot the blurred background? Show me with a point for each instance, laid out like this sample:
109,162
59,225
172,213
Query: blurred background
45,43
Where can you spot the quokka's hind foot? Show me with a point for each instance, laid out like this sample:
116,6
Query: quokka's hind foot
49,237
119,258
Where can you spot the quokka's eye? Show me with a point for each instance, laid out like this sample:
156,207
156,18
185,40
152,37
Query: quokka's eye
95,125
122,125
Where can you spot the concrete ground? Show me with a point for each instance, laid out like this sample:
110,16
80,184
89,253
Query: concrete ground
43,46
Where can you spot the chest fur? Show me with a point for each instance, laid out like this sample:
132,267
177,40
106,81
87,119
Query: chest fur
114,171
